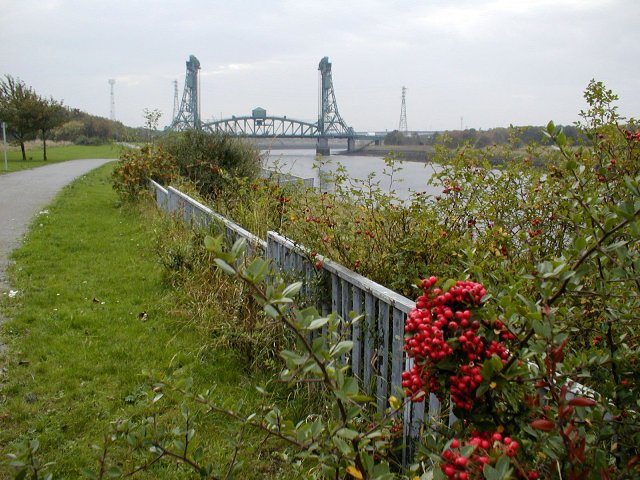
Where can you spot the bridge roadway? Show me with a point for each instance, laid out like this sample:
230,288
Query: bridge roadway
282,127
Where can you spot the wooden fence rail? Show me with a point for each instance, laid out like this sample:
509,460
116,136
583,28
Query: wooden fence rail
377,358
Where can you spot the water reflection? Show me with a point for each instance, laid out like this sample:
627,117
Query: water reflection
405,178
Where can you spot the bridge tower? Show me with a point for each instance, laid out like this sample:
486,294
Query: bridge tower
189,114
330,123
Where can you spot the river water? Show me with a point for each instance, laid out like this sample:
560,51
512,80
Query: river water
408,177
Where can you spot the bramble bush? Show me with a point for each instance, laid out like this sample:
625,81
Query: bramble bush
135,167
206,161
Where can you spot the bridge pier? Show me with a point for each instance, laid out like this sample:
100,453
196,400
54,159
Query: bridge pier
322,146
351,145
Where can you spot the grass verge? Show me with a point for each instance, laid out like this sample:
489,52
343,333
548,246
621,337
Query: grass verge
55,155
79,341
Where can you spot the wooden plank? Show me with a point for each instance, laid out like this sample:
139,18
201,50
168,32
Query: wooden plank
382,381
397,353
368,343
346,301
356,335
434,410
335,293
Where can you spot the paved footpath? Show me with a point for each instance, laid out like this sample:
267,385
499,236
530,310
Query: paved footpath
23,194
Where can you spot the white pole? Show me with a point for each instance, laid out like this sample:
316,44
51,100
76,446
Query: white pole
4,145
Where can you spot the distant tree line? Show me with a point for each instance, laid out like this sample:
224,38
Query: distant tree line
30,116
516,136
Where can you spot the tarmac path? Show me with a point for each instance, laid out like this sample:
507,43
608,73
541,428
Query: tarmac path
25,193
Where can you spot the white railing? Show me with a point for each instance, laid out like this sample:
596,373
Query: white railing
377,358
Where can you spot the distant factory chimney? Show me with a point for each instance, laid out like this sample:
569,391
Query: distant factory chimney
112,82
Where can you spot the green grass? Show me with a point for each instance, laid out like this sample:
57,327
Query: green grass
55,154
77,347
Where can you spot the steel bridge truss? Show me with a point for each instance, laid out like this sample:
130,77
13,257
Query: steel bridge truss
330,124
263,127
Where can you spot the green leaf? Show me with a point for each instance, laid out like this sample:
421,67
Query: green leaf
503,467
34,445
490,473
224,266
179,444
239,246
317,323
343,446
550,127
482,389
271,311
631,185
342,348
448,284
347,433
213,244
292,290
257,269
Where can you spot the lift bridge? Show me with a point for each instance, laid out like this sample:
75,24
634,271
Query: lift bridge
330,124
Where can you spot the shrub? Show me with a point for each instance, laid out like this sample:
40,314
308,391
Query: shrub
210,160
135,168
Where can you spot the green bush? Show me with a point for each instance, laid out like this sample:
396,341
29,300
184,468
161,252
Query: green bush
210,160
135,168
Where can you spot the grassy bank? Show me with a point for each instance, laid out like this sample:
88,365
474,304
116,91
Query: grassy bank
91,314
55,154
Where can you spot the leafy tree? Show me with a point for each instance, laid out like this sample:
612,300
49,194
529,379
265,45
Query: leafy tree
51,114
19,107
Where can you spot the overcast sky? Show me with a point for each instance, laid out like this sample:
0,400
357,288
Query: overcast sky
479,63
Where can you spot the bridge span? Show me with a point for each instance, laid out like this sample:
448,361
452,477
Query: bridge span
330,124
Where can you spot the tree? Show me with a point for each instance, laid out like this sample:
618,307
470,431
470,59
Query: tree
51,114
19,108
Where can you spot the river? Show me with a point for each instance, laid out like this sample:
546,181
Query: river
409,176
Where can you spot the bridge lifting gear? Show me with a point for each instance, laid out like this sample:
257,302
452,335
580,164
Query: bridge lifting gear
330,123
188,116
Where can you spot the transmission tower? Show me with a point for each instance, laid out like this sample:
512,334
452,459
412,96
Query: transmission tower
188,115
112,82
329,120
175,100
403,113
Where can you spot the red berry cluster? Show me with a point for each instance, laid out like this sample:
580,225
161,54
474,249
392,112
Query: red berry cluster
489,447
441,327
635,136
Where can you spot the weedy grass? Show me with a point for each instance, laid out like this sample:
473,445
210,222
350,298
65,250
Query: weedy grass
56,154
93,312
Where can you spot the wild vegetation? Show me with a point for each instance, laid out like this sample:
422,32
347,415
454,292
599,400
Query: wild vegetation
525,323
548,248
